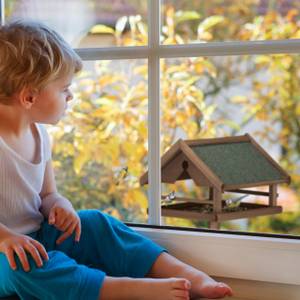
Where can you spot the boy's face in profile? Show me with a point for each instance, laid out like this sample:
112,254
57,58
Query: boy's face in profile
52,101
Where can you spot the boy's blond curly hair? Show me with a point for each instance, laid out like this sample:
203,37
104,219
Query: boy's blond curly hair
32,55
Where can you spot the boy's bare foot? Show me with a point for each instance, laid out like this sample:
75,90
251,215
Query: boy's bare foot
209,288
202,285
145,289
165,289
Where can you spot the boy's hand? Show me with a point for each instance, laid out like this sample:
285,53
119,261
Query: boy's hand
19,244
65,219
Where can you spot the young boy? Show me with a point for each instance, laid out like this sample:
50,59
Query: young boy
47,249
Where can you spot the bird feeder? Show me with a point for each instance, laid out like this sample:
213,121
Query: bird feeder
235,164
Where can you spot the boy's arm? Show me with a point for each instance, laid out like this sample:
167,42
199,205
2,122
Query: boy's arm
57,209
4,232
49,193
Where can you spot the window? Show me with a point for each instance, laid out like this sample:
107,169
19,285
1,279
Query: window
175,69
189,21
87,24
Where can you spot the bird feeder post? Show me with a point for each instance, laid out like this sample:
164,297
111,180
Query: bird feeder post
273,194
217,207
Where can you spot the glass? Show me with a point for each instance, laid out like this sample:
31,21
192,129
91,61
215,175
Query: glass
100,146
201,21
209,97
88,23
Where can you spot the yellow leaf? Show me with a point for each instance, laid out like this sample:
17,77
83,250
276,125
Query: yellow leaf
298,109
141,70
100,28
175,68
210,68
143,130
210,22
199,68
263,59
134,196
80,160
239,99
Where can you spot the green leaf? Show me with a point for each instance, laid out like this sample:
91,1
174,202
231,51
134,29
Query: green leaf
232,124
210,22
182,16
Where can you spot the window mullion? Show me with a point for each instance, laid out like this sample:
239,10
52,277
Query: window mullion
191,50
230,48
111,53
2,12
154,172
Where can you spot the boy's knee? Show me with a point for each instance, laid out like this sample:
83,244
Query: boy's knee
21,267
92,218
89,213
55,257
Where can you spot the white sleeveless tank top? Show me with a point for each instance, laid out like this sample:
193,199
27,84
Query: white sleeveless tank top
20,184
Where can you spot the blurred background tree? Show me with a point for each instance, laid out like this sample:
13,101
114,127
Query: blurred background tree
100,149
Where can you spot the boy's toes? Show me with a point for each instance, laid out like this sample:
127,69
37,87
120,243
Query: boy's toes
181,284
224,289
181,294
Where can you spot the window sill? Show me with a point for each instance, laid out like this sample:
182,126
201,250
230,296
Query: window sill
251,258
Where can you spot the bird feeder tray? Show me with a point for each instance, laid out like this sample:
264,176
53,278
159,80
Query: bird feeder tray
204,212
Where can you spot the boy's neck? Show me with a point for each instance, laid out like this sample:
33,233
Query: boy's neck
13,123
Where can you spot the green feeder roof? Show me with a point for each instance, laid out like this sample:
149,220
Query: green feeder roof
238,163
226,163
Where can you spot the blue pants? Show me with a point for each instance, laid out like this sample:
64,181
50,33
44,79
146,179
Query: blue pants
77,270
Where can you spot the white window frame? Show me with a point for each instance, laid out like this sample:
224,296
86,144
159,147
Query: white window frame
215,253
153,52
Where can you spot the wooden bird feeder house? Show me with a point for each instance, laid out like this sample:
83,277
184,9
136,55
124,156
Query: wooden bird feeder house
230,164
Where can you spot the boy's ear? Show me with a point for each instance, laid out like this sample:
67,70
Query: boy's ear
27,97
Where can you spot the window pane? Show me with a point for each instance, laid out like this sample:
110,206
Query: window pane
209,97
195,21
100,147
88,23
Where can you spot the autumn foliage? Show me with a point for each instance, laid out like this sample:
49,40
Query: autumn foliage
100,149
